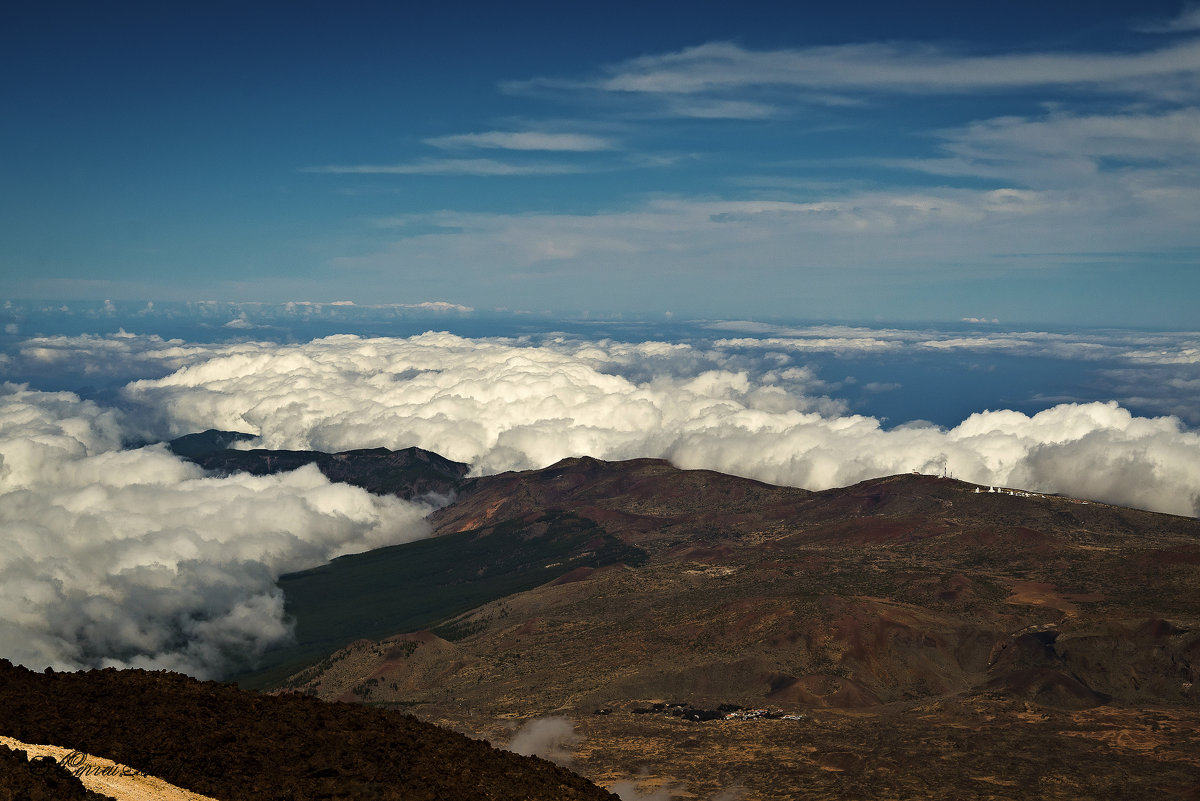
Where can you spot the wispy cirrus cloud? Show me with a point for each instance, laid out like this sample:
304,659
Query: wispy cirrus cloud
938,225
477,167
524,140
913,68
1162,148
1097,153
1187,20
715,109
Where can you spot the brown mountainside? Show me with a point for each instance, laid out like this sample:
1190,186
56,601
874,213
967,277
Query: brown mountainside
922,601
645,499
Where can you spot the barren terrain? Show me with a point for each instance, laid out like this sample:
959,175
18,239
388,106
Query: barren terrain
939,641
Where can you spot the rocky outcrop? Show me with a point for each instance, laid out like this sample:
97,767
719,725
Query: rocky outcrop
231,744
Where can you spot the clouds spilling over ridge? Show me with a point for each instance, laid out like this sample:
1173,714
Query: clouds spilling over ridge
135,558
508,404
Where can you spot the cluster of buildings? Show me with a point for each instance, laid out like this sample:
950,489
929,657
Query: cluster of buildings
756,714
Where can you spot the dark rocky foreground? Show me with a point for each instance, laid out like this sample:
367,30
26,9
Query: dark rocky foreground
230,744
39,780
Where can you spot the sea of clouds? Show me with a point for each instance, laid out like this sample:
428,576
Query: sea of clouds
130,556
134,558
507,404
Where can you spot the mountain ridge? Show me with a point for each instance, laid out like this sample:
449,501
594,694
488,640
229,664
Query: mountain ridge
407,473
923,603
891,597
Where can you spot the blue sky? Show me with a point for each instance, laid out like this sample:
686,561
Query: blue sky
1030,163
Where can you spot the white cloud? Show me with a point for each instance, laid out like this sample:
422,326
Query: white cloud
1187,20
524,140
656,790
957,230
717,109
720,67
552,738
309,308
113,356
1148,158
1064,182
437,306
1170,136
717,234
842,345
134,558
1148,348
502,404
477,167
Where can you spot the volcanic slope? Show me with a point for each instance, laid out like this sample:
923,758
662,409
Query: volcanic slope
926,603
231,744
408,473
508,534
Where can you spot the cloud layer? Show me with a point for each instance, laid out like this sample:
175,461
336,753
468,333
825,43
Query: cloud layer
134,558
510,404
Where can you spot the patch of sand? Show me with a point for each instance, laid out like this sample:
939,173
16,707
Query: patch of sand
1036,593
104,776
